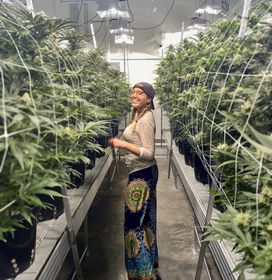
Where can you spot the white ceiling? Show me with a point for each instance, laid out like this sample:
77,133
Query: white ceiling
146,14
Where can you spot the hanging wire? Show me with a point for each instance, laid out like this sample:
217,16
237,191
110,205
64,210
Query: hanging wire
96,32
131,13
80,8
104,38
89,20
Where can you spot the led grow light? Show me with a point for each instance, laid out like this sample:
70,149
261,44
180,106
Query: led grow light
121,30
213,7
113,13
198,23
208,10
124,39
118,26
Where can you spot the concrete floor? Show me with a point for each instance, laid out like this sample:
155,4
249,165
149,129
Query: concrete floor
177,258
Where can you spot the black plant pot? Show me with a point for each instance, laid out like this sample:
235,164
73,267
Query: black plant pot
218,204
18,253
175,131
90,154
188,153
176,141
201,174
54,209
114,124
103,142
180,147
77,180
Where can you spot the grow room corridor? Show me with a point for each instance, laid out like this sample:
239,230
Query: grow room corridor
176,241
135,140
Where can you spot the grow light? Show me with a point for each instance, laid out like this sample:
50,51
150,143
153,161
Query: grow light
213,7
197,27
124,39
113,13
198,23
121,30
209,10
118,26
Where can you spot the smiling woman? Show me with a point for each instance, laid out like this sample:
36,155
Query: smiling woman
140,227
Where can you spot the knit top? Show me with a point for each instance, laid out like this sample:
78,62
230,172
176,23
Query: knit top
143,136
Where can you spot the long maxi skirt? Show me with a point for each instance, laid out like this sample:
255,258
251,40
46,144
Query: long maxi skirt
140,227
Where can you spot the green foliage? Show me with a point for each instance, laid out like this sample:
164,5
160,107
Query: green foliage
250,229
49,114
217,93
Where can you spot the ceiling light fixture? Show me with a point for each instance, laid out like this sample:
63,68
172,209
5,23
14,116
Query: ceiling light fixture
113,13
118,26
124,39
198,23
121,30
213,7
208,10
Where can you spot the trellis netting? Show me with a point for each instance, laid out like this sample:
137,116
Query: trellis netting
49,114
217,92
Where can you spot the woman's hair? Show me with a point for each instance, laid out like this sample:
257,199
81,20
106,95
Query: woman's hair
134,115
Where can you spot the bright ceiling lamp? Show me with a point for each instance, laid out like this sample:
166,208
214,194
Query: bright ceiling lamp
198,23
121,30
119,27
113,13
213,7
124,39
208,10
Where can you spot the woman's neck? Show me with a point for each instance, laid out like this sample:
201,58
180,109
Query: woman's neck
140,110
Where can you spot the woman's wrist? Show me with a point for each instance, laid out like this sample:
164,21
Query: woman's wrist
125,145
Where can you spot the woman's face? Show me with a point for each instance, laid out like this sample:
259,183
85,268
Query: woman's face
139,99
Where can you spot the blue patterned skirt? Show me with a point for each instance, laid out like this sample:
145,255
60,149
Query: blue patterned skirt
140,227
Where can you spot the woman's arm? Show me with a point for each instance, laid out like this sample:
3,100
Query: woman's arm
146,131
121,144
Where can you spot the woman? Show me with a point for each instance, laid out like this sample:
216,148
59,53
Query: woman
141,253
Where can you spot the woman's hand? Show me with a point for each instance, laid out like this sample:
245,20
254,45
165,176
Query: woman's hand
117,143
121,144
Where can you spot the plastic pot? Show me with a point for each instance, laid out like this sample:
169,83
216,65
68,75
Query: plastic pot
18,253
218,204
103,142
91,155
188,153
180,147
78,179
55,206
201,174
114,126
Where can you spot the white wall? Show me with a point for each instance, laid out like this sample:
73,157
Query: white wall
142,71
139,67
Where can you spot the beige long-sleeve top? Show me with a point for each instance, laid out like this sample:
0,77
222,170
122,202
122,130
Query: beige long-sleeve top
142,136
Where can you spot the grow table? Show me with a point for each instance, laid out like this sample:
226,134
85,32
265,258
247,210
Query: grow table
54,236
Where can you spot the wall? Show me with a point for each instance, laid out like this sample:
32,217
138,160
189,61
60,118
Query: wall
138,66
